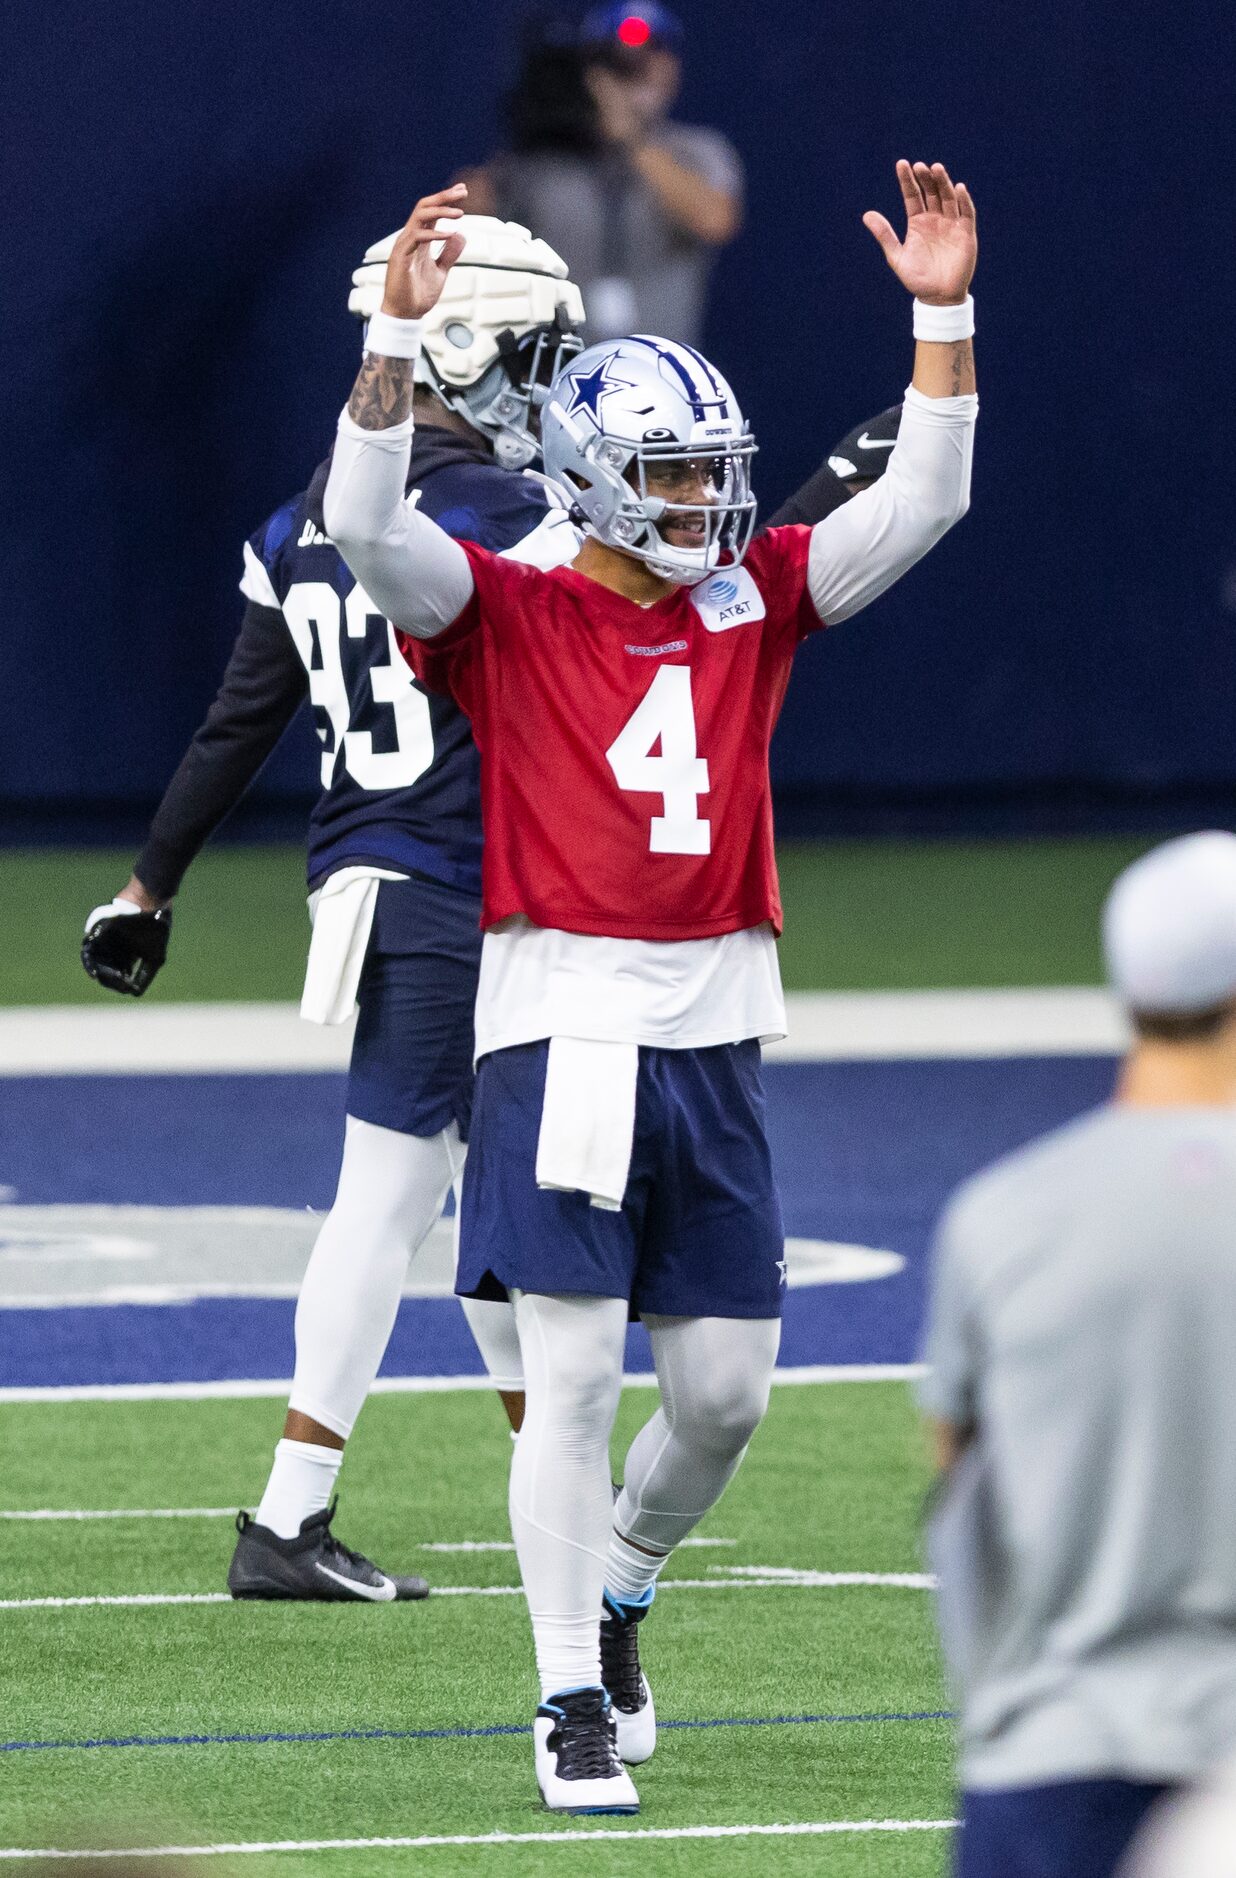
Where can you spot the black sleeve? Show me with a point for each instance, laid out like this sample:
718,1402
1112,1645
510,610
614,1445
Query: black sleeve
818,497
262,688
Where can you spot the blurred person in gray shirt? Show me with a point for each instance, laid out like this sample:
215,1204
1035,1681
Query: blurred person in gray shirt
636,203
1082,1394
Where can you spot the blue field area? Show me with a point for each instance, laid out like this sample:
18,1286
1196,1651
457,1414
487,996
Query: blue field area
866,1154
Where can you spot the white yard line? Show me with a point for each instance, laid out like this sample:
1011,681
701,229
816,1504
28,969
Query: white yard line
142,1598
405,1385
804,1829
229,1512
504,1545
824,1026
124,1512
754,1578
769,1575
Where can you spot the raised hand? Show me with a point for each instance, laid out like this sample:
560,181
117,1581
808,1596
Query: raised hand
415,275
936,260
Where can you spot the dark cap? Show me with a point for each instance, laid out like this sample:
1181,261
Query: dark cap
865,450
635,25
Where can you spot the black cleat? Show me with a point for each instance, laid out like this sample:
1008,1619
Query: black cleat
625,1682
314,1566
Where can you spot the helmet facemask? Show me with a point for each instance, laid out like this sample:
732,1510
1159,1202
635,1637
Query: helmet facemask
505,403
644,517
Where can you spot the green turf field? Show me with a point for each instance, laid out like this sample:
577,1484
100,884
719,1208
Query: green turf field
833,1483
859,915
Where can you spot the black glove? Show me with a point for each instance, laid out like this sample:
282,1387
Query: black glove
125,950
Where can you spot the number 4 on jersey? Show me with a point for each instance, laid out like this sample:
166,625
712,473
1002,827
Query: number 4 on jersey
666,716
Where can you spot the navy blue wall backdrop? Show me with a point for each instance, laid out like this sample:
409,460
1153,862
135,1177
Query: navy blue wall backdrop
186,191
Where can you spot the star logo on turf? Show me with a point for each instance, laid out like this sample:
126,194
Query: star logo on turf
588,388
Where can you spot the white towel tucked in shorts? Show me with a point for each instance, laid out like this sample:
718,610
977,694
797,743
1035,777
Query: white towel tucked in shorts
588,1119
342,913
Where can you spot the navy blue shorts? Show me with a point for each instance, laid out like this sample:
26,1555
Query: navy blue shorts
699,1234
412,1053
1070,1829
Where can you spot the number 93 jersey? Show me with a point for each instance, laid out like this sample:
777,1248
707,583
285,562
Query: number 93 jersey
399,774
624,749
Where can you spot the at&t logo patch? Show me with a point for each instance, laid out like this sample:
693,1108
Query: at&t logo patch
729,598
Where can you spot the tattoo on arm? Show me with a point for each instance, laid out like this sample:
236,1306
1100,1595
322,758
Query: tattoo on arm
957,363
382,394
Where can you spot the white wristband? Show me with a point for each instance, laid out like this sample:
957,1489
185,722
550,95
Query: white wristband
943,325
394,338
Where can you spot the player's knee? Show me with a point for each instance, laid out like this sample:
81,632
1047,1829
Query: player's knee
726,1410
572,1359
581,1389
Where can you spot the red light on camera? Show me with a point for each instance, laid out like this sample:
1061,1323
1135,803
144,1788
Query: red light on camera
634,31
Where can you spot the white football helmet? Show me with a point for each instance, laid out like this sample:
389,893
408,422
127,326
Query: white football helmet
628,405
507,321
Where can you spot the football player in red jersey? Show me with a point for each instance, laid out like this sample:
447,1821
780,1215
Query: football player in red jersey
623,706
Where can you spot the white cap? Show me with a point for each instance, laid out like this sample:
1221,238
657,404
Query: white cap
1169,926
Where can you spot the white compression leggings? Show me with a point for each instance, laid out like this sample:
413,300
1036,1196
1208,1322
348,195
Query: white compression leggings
390,1193
714,1375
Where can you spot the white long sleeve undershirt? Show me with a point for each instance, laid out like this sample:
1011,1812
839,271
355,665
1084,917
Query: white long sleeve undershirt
407,565
421,580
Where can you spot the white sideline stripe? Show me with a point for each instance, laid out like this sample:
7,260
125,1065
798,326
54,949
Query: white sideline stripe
857,1026
824,1026
804,1829
406,1385
166,1039
770,1578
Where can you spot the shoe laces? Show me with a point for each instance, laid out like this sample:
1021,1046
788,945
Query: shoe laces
620,1668
340,1553
584,1737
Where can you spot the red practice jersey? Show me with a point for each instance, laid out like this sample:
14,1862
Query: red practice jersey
624,749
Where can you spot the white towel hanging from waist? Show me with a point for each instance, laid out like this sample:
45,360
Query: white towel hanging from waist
588,1119
342,912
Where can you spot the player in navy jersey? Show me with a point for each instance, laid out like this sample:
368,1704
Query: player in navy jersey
393,865
623,706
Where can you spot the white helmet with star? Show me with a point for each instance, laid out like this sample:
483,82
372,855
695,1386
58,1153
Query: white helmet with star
631,407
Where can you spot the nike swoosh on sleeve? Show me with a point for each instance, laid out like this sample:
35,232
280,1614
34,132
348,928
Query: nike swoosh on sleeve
876,443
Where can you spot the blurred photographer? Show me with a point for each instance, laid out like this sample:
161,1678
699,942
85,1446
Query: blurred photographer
635,202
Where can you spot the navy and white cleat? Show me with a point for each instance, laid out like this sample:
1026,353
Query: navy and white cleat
313,1566
625,1682
577,1764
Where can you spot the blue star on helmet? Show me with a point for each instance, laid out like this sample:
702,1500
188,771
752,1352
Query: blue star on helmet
588,388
